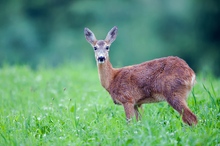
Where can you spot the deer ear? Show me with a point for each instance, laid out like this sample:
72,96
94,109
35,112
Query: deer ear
90,37
111,36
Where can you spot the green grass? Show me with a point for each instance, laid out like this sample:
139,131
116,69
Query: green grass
68,106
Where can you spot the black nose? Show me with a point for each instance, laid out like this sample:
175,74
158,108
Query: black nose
101,59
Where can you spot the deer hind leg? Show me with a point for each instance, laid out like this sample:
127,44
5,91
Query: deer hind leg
180,105
188,117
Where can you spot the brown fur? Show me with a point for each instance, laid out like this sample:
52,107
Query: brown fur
166,79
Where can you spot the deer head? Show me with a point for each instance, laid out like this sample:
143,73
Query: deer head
101,47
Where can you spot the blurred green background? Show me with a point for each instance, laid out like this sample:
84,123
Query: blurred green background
35,32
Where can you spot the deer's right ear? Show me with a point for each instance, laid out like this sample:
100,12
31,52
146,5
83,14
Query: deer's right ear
111,36
90,37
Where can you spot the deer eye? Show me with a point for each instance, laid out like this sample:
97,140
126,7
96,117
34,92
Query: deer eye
95,48
107,48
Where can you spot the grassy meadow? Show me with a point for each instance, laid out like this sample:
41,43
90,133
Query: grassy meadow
67,106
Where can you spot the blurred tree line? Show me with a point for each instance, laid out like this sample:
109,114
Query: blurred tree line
51,32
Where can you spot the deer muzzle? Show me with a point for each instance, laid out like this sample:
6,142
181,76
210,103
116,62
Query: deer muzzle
101,59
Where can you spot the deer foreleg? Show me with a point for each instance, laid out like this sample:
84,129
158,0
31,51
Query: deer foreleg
129,110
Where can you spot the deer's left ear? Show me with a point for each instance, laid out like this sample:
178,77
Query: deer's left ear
90,37
112,34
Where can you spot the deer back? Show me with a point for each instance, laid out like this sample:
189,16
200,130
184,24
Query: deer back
151,81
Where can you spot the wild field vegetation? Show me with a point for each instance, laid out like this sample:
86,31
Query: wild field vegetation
67,106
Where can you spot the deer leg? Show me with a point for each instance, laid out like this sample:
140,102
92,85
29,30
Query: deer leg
180,105
129,110
137,113
141,108
188,117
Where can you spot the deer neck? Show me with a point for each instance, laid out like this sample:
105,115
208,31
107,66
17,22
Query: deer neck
106,73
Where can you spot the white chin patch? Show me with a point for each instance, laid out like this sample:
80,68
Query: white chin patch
101,61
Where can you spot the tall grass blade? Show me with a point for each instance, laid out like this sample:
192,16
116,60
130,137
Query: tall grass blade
210,95
194,97
213,90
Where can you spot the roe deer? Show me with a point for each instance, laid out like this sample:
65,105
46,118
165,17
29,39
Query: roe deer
165,79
